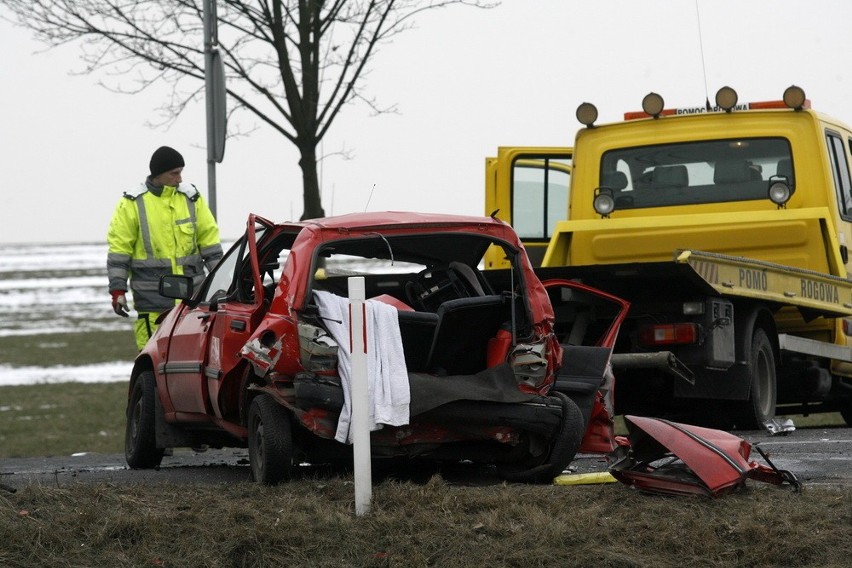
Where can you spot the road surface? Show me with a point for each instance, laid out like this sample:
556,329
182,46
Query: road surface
818,457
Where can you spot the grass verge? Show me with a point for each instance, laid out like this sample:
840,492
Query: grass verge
312,523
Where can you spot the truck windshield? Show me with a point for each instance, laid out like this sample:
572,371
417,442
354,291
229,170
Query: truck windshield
712,171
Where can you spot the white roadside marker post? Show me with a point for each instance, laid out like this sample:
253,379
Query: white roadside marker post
360,395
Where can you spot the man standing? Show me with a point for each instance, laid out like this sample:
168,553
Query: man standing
165,229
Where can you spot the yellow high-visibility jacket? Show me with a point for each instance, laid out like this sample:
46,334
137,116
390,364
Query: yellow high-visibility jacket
157,232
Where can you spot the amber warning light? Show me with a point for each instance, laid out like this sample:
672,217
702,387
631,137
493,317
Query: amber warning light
704,110
726,101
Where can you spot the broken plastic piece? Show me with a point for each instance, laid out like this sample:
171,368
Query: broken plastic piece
777,426
584,478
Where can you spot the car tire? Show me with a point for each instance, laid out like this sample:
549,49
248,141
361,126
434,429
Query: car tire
562,452
140,440
760,405
270,441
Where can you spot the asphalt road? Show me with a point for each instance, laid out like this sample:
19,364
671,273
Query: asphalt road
818,457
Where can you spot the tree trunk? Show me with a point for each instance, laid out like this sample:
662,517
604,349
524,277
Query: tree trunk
310,181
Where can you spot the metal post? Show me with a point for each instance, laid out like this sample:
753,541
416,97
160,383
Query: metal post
210,39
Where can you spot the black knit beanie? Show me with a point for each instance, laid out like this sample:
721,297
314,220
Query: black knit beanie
165,159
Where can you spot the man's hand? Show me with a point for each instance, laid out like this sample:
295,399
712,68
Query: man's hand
119,303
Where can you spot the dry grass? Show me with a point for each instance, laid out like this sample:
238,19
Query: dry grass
312,523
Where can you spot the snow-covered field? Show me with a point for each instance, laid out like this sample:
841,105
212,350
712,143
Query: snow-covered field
54,289
57,289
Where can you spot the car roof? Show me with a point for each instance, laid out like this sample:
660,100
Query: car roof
359,221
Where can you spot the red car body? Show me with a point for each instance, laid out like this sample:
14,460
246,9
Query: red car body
248,359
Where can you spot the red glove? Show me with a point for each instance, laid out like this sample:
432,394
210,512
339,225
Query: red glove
119,302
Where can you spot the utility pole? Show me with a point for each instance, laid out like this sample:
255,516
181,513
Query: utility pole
214,90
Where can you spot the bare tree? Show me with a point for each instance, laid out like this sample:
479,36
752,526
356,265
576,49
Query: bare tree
294,64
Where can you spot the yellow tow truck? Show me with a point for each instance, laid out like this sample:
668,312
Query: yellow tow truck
727,229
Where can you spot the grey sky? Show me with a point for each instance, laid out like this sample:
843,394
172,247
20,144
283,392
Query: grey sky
465,81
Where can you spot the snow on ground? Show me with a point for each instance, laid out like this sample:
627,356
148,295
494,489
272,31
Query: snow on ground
100,373
34,304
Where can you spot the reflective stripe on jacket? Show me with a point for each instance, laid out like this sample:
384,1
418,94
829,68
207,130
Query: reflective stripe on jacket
151,235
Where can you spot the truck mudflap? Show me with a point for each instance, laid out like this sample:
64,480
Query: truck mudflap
667,457
814,293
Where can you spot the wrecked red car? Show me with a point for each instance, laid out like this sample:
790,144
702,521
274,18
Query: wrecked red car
490,366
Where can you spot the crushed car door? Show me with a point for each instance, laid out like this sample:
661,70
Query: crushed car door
184,368
587,322
238,314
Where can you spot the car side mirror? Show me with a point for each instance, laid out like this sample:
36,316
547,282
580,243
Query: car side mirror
176,286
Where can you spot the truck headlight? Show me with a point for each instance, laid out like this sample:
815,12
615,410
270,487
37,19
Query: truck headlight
603,203
779,193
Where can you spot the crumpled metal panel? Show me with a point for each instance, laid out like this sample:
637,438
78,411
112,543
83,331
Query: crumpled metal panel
662,456
529,363
317,349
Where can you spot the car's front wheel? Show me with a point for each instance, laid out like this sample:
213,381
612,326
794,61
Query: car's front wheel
270,441
140,441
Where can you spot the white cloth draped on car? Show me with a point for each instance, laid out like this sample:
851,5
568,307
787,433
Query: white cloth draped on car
387,375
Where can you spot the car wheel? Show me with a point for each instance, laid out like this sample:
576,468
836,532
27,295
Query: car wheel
140,441
270,441
562,452
760,406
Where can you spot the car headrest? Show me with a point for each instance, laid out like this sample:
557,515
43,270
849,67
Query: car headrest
614,180
731,171
785,168
670,176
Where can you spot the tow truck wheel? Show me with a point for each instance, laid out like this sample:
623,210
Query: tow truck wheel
270,441
140,441
760,406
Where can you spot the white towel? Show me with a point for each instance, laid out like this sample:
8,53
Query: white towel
386,372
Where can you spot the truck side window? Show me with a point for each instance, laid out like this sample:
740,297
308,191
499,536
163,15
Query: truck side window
539,195
840,171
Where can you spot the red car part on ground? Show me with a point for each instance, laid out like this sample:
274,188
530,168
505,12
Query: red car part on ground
662,456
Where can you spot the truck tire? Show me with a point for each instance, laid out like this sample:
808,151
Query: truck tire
140,440
760,406
270,441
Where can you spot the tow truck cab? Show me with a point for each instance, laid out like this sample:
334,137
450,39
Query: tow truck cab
727,229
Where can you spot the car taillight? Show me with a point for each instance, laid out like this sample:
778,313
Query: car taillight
669,334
